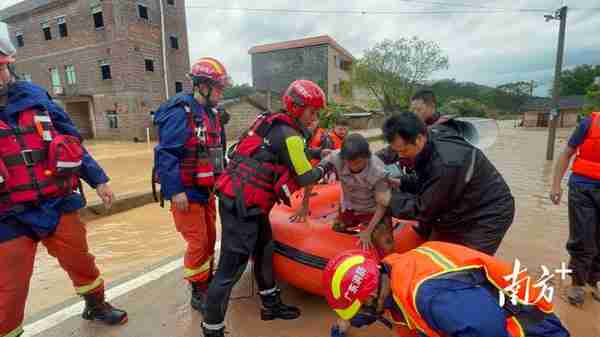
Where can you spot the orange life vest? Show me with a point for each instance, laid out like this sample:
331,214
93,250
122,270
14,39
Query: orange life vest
434,259
335,139
587,160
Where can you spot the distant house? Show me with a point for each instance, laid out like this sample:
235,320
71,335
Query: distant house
537,111
243,111
319,59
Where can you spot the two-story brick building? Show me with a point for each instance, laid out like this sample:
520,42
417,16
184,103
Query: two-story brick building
109,63
319,59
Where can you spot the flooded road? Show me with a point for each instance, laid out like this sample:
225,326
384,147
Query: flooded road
131,242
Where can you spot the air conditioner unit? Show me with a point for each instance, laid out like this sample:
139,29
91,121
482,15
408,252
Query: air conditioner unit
58,90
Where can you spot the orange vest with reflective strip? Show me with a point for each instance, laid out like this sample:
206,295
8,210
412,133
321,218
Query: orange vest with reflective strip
315,143
337,141
587,161
432,259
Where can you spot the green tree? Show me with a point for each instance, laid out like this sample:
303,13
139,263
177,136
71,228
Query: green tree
518,93
592,99
238,91
391,70
576,81
465,107
330,114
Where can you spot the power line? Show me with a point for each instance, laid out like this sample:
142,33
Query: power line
369,12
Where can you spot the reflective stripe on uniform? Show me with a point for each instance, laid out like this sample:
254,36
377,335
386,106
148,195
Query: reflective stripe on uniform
68,164
204,175
189,272
16,332
213,326
86,289
268,291
296,151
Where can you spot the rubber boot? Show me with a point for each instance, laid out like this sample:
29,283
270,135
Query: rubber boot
213,332
97,309
198,298
576,295
273,308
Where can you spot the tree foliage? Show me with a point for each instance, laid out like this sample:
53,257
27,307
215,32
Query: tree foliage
577,81
518,93
238,91
592,99
465,107
391,70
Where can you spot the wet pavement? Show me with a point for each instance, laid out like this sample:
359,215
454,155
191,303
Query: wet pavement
130,243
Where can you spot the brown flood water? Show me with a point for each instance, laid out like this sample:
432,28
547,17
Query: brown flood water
127,243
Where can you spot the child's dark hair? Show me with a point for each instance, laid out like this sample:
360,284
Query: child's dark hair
405,125
342,121
425,95
355,146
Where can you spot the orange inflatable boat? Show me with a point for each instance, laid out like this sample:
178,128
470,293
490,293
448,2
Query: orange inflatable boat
303,249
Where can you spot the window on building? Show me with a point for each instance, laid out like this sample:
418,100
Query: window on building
174,42
55,79
171,2
178,87
336,89
70,74
26,77
113,119
98,18
105,70
46,31
20,41
143,11
62,27
149,65
335,61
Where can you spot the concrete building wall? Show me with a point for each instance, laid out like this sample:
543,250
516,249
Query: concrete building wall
125,42
336,75
277,69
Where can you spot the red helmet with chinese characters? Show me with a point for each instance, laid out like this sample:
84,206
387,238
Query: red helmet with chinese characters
349,280
302,94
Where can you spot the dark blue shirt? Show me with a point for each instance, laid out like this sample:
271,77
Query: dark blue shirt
575,141
40,220
174,131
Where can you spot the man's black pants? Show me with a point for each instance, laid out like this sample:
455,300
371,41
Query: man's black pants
584,234
241,238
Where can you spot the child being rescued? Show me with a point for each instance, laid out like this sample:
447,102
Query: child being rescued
365,194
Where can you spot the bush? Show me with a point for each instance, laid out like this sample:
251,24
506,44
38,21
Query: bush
465,107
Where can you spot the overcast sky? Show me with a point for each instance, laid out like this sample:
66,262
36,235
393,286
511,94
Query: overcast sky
487,48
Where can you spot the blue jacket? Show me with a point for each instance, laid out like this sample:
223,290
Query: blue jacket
39,221
173,133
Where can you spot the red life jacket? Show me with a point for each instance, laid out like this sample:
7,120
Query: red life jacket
203,156
36,162
587,161
253,182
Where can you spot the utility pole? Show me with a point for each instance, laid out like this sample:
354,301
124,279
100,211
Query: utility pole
561,15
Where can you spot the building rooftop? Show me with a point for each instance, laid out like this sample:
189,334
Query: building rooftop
23,7
301,43
544,103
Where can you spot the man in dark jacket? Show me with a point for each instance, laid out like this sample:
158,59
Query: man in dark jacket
424,105
457,195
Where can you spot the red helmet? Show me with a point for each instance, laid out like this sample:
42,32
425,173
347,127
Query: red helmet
302,94
211,71
349,279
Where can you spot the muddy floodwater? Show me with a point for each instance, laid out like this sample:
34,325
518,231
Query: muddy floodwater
129,243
